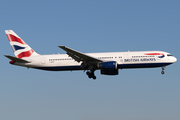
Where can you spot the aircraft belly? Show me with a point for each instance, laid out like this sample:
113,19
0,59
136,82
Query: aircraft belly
59,68
142,65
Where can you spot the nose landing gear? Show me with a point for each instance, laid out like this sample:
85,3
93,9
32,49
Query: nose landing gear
162,72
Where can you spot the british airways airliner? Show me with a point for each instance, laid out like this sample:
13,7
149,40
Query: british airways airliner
108,63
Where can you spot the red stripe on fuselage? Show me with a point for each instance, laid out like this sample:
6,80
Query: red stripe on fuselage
25,54
13,38
154,54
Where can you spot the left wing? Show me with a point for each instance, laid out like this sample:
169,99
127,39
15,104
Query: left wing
78,56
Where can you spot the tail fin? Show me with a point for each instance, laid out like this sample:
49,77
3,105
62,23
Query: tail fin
20,48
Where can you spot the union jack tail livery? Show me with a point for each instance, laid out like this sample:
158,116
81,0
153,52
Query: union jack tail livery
20,48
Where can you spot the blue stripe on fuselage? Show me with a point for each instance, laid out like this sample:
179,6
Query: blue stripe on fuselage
60,68
142,65
120,66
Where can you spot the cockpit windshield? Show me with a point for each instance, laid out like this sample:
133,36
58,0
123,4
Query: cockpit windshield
169,55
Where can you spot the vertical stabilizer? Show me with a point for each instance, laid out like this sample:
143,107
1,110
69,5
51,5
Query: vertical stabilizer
20,48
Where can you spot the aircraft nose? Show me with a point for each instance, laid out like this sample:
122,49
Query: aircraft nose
174,59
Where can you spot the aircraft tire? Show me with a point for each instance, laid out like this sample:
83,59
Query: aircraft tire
94,77
88,73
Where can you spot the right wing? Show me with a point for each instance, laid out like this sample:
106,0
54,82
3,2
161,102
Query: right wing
16,59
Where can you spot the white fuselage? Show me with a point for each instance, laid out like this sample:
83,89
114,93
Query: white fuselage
62,62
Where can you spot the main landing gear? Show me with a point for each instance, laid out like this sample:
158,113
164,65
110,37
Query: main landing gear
162,72
91,74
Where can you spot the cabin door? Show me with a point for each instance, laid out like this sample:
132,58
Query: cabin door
43,60
126,56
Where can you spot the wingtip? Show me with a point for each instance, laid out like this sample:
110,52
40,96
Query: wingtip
61,46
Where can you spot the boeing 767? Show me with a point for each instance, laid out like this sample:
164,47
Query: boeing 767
108,63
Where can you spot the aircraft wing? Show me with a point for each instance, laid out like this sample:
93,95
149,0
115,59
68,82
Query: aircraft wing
16,59
78,56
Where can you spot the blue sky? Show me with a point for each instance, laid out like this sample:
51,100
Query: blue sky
90,26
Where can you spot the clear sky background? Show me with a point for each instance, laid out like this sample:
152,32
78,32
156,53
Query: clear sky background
90,26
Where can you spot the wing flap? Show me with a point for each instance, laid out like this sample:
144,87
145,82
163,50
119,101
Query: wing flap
16,59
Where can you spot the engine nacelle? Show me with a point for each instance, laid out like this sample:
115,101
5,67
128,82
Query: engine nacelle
110,65
110,72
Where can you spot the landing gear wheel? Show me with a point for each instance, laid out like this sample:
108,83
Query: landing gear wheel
91,75
88,73
163,68
94,77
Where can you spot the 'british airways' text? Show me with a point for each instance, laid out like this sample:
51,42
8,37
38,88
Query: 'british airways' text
139,60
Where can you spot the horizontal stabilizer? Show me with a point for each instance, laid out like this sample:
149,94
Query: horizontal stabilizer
16,59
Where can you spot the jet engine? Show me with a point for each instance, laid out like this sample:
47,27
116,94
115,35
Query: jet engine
108,68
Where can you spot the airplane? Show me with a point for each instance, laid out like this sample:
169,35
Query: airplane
108,63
